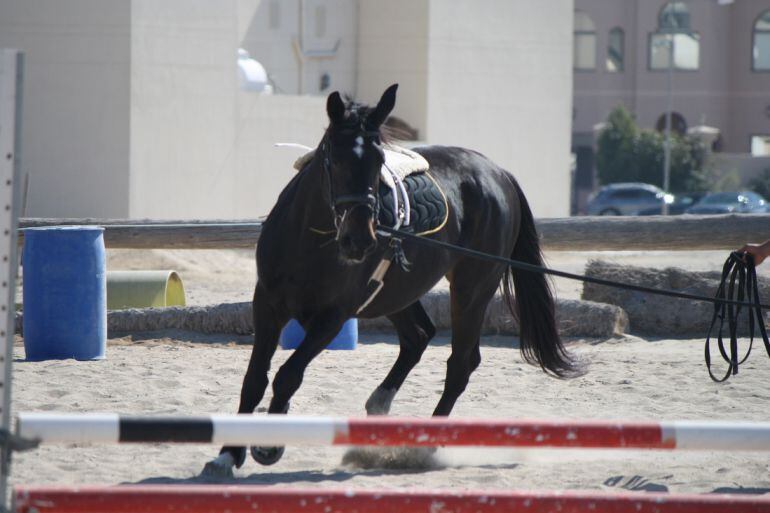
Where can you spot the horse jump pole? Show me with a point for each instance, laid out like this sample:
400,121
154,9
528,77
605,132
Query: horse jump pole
392,431
242,499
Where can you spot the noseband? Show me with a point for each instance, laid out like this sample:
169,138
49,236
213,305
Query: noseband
369,199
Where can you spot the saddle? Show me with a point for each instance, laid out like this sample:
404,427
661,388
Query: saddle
410,198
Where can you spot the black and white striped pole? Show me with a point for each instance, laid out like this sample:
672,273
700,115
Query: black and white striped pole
11,78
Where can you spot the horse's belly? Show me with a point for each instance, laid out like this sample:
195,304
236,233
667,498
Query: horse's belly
401,291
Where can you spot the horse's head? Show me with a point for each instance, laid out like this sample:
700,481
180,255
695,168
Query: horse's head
353,156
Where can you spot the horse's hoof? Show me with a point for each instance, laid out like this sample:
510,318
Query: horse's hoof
267,455
215,469
380,400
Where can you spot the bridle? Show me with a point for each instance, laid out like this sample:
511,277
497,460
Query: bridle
369,199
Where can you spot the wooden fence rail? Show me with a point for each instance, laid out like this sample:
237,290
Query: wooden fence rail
673,233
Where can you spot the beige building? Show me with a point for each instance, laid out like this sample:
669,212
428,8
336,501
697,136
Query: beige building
133,108
720,70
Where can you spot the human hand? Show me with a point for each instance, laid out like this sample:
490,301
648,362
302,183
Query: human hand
758,251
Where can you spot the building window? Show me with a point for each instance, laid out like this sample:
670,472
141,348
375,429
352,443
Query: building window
761,46
674,17
615,50
686,51
584,57
674,38
678,124
760,145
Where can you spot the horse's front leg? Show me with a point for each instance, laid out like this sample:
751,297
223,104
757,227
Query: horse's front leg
319,332
268,322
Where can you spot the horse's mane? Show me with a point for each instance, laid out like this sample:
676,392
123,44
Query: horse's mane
356,111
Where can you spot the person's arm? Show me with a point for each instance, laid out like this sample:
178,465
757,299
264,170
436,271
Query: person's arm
758,251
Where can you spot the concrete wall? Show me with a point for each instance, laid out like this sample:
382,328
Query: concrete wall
597,92
132,107
749,112
183,108
500,82
263,170
393,48
275,31
738,169
75,122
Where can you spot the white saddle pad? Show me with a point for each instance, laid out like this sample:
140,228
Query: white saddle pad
401,161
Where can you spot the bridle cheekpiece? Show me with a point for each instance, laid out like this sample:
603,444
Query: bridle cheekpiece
369,199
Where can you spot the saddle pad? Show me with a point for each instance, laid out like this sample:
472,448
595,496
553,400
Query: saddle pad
428,206
401,161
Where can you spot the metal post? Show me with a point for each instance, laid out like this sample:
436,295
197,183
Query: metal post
667,143
11,77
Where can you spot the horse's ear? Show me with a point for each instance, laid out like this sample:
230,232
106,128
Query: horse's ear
384,106
335,107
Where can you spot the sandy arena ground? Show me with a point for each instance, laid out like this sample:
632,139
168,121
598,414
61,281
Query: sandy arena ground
183,373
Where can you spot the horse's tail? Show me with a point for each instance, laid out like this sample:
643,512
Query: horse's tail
533,305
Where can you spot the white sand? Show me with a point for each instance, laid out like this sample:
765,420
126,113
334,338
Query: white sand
629,378
178,373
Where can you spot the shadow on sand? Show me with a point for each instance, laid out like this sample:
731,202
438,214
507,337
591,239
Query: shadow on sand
273,478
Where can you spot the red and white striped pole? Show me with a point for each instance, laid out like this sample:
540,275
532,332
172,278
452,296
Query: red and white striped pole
392,431
237,499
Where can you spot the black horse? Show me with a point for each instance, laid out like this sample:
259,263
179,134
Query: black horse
302,275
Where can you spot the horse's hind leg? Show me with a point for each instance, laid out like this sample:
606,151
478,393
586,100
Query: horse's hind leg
415,329
473,285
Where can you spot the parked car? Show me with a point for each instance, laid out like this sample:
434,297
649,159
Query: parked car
681,203
626,199
741,202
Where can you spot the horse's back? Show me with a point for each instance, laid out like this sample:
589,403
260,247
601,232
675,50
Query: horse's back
483,196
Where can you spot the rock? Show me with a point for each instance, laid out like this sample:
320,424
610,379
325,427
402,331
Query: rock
660,315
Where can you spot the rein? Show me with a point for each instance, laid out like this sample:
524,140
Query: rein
738,267
728,302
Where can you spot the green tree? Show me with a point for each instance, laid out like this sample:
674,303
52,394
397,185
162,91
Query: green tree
628,154
615,156
648,156
688,163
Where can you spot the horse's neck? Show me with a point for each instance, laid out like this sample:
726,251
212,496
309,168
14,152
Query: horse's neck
310,204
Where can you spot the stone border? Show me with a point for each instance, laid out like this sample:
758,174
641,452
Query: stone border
659,315
575,318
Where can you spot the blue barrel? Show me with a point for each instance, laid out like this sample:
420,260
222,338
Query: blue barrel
293,334
65,293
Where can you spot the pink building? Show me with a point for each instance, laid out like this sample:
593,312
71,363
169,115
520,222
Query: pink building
720,74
